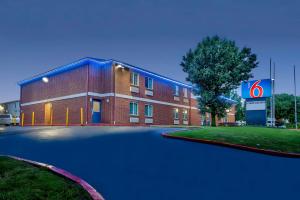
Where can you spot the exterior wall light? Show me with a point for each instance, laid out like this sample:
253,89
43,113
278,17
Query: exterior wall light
45,79
118,66
1,108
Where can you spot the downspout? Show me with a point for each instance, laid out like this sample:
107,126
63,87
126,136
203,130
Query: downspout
87,92
190,111
114,91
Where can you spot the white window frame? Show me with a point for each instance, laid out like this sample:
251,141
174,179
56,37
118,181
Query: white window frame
176,90
185,114
175,113
149,114
135,112
185,92
132,75
147,79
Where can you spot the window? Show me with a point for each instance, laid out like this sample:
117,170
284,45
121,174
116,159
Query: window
176,90
134,79
134,108
185,92
185,114
175,113
149,83
148,110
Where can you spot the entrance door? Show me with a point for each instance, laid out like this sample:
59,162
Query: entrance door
48,113
96,111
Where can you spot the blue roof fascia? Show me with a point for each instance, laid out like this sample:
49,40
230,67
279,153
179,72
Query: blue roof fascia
65,68
223,98
151,73
228,100
99,62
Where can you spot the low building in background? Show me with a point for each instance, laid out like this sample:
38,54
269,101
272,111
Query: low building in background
97,91
11,107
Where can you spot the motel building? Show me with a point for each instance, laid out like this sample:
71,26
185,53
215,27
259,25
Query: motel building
94,91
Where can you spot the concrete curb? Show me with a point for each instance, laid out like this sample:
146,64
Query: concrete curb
101,124
235,146
87,187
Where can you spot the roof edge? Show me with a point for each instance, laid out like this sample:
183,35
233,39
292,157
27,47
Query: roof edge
88,60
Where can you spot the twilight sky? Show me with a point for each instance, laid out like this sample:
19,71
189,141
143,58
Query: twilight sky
36,36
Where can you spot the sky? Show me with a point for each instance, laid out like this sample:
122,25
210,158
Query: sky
36,36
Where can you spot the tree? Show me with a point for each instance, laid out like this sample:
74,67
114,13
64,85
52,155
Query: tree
284,107
240,107
216,67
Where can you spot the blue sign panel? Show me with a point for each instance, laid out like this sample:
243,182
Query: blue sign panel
256,88
256,113
256,117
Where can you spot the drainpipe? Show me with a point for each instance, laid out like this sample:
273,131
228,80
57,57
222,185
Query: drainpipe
87,92
190,110
114,90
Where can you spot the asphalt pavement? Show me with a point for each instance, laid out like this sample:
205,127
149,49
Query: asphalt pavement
136,163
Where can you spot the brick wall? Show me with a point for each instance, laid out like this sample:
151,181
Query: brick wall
59,112
162,114
67,83
100,79
162,90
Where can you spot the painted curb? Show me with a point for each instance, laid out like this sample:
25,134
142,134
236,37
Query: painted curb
89,124
87,187
235,146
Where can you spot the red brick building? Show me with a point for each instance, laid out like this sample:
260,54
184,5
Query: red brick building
97,91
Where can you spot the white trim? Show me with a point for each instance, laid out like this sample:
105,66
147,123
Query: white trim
134,89
176,121
132,73
134,120
151,101
149,92
148,120
108,95
176,98
55,99
151,110
101,95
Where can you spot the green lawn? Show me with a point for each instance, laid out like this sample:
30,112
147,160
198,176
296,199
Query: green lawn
263,138
19,180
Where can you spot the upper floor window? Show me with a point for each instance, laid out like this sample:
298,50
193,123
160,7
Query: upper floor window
134,109
175,113
185,92
134,78
185,114
176,90
149,83
148,110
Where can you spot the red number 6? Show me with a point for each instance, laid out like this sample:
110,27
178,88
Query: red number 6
254,87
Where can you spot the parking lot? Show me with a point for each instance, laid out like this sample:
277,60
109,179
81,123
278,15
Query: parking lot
137,163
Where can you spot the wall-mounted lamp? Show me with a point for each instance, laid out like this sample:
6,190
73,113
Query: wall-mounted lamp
45,79
118,66
1,108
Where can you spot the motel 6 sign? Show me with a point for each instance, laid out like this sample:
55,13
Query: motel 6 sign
256,88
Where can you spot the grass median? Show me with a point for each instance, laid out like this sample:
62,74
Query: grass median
19,180
263,138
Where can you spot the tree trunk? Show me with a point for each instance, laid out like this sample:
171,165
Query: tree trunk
213,118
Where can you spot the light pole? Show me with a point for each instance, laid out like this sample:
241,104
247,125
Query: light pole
295,96
274,112
271,98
